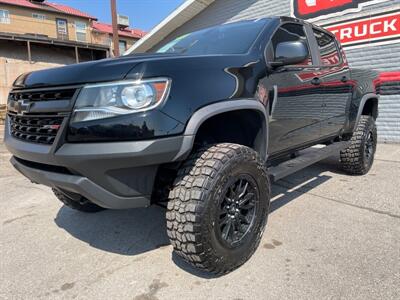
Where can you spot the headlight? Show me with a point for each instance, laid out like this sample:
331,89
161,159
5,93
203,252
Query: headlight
105,100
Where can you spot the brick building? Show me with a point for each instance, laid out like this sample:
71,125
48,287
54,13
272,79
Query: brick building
368,29
102,33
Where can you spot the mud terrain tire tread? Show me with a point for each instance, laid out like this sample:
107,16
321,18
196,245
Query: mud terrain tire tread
352,158
188,200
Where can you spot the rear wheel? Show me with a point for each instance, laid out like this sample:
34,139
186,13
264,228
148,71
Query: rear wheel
358,158
77,202
218,207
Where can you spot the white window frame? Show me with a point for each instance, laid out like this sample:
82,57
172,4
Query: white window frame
4,16
80,29
39,17
58,27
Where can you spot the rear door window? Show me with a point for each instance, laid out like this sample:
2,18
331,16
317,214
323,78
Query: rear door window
327,47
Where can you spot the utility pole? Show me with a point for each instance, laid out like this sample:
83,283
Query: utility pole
115,27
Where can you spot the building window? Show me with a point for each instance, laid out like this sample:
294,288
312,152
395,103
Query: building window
122,47
62,29
4,16
62,26
80,28
39,17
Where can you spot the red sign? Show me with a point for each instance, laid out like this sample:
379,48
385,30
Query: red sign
368,30
322,9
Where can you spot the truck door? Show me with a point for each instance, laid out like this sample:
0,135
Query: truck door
336,81
295,96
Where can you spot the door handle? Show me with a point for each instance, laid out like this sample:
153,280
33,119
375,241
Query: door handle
316,81
344,79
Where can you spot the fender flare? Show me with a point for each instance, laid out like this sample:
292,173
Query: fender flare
204,113
364,100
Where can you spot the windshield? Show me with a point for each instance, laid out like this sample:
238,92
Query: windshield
234,38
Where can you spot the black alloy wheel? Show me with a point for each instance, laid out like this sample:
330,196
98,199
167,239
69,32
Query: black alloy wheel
238,209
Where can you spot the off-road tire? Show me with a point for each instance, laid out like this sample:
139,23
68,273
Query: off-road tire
196,197
81,204
354,159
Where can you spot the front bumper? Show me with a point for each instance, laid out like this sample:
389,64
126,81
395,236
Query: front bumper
80,185
115,175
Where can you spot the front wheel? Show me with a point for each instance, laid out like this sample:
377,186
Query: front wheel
358,158
218,207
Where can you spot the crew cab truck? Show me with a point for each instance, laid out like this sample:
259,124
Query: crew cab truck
205,122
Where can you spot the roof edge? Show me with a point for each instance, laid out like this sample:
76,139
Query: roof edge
103,27
180,16
51,10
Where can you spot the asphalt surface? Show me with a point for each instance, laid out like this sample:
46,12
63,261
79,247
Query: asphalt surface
328,236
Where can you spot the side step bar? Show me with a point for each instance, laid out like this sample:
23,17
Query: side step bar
304,160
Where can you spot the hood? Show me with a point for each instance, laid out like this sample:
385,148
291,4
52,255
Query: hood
88,72
131,66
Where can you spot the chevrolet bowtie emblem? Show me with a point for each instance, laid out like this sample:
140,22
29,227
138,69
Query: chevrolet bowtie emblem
22,107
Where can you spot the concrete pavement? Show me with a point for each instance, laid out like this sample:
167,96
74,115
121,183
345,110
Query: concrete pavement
329,235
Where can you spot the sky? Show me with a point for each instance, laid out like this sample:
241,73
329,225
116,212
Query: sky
143,14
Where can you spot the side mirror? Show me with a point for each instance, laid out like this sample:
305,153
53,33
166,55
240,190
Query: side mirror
290,53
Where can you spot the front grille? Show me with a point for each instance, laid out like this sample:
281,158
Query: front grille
36,115
65,94
35,129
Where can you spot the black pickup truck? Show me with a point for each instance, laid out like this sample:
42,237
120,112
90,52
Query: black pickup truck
205,124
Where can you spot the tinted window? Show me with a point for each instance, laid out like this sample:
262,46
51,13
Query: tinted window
235,38
327,48
291,33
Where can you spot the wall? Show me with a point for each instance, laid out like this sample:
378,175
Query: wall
22,22
106,39
13,61
9,71
129,41
101,38
382,58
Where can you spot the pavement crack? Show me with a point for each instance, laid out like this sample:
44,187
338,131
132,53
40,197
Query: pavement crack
153,289
388,160
18,218
302,190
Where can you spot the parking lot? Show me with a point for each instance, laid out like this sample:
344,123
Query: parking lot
328,236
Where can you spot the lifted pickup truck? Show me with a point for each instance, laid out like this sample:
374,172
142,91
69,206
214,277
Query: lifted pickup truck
204,123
